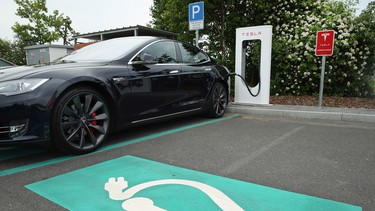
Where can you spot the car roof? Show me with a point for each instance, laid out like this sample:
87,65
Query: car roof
139,38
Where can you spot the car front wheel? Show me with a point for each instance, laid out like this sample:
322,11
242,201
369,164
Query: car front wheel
80,122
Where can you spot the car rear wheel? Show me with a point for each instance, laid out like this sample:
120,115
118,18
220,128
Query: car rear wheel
80,122
218,101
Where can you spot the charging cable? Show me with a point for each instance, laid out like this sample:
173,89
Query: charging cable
244,81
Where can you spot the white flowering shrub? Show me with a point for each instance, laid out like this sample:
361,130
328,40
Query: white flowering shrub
296,69
365,24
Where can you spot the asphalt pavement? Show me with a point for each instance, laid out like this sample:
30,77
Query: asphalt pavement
289,151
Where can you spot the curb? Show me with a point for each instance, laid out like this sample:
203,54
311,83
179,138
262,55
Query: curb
298,112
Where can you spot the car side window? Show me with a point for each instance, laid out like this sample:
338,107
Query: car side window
191,54
161,52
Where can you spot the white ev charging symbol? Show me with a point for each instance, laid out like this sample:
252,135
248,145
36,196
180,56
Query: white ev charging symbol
115,189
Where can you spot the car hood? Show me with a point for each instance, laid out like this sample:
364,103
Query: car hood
25,71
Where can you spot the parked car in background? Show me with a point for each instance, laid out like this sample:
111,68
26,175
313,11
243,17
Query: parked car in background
77,101
5,64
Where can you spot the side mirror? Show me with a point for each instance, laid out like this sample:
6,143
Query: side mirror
145,58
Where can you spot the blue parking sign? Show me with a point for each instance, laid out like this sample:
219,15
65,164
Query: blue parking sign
196,16
196,11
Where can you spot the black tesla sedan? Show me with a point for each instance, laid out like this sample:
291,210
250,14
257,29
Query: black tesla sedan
76,101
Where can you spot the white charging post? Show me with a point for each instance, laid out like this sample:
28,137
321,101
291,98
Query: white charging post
264,34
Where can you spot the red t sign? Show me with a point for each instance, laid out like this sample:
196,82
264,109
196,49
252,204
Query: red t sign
324,43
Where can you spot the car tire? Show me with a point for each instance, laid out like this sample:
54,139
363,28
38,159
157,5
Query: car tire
218,101
80,122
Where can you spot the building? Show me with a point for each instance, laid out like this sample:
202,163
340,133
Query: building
44,54
121,32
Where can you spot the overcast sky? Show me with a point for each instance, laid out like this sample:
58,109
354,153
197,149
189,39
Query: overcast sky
93,15
86,15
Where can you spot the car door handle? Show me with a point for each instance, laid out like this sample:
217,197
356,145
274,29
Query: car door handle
119,79
174,71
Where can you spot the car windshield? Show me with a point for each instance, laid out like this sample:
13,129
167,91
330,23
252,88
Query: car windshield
108,50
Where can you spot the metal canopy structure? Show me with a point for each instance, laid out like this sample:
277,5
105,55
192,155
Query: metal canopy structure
126,32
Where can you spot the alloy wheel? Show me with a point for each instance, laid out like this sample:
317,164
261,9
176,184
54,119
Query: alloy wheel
84,121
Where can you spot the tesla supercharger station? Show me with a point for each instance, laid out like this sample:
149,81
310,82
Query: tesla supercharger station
242,95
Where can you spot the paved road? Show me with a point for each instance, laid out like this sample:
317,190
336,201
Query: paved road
326,159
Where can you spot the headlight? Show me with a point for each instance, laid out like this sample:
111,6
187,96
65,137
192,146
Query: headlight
21,86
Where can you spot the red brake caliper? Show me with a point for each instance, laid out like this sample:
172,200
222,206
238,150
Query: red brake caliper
93,115
93,122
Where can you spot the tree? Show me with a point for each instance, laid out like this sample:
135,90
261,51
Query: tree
365,23
298,71
5,49
63,27
41,28
170,15
12,51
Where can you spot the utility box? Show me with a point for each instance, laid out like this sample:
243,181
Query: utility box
44,54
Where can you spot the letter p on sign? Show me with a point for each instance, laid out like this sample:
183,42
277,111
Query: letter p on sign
196,11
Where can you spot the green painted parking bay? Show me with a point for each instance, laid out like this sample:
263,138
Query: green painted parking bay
132,183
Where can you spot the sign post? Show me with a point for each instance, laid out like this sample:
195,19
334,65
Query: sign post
324,47
196,18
